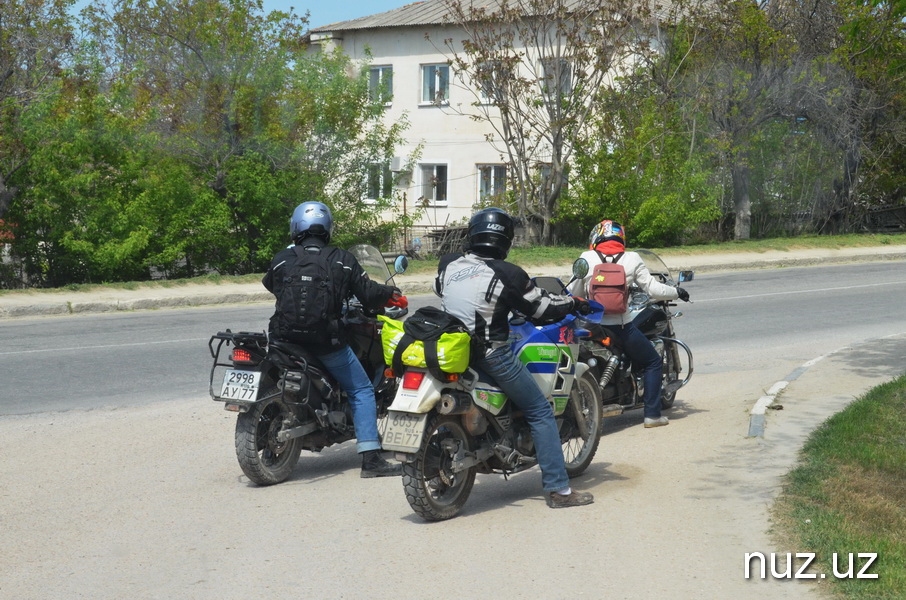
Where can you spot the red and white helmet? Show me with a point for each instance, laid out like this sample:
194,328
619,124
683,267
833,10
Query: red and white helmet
606,231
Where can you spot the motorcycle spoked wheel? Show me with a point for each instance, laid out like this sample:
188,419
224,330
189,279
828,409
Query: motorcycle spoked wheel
432,489
263,459
580,431
671,374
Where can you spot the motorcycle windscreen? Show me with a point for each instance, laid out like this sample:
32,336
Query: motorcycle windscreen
372,262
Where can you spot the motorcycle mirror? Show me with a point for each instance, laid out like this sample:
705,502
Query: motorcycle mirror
580,268
686,276
400,264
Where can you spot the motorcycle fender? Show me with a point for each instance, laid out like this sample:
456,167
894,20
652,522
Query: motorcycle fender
581,368
418,401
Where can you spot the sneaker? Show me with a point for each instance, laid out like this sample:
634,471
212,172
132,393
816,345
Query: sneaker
555,500
375,465
659,422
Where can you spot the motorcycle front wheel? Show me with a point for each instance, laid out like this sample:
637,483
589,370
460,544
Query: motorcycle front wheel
263,459
671,376
580,429
433,490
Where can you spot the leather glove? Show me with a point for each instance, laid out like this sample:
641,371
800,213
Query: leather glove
397,299
581,306
682,294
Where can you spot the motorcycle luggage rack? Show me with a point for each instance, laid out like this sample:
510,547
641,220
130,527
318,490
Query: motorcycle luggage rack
253,338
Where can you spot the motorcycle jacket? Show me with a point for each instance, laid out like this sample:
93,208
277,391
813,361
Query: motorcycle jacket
482,292
637,274
348,279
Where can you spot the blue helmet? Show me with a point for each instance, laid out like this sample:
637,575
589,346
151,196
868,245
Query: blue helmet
311,218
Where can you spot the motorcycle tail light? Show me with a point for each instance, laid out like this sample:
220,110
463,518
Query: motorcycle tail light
412,380
241,355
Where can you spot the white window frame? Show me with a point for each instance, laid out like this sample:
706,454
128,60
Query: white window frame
496,171
436,76
434,193
384,76
491,72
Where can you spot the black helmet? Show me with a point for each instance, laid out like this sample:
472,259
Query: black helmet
311,218
490,233
606,231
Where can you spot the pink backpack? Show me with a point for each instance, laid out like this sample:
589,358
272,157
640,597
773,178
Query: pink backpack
608,285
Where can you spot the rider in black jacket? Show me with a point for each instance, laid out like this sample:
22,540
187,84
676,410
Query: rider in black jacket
310,227
482,289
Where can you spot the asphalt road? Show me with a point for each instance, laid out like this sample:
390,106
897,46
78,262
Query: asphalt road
768,319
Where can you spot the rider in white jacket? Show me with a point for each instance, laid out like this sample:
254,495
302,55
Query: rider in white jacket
609,239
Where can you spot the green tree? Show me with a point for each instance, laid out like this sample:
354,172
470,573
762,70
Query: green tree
35,42
78,216
536,67
641,162
260,124
847,94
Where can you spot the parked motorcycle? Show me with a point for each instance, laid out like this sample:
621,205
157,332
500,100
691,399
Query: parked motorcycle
621,386
444,432
285,398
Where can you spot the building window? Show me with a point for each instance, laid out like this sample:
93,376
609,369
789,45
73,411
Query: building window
433,183
380,182
491,182
557,76
546,172
380,83
490,76
435,84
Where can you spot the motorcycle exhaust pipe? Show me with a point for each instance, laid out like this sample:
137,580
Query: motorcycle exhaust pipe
454,403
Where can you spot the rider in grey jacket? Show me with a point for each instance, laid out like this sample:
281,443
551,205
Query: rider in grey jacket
482,289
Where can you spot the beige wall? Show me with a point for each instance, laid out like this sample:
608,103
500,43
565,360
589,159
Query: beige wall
447,136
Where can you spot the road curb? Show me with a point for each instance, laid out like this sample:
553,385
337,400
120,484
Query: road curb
757,418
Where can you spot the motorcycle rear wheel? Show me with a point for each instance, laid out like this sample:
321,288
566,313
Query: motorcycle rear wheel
580,431
263,459
432,489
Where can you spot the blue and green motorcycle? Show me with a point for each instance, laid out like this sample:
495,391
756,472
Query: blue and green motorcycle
446,431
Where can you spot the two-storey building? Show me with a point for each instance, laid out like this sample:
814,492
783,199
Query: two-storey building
456,167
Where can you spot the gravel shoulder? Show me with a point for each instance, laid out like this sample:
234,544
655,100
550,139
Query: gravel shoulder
148,503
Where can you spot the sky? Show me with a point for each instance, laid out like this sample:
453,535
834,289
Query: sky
325,12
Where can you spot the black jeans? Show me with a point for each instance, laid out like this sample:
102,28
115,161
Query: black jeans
645,358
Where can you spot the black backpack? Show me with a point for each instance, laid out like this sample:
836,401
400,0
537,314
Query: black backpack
308,304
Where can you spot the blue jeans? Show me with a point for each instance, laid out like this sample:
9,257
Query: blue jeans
347,369
520,387
645,358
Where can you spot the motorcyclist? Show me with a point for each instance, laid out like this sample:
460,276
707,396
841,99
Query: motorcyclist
608,239
311,226
479,287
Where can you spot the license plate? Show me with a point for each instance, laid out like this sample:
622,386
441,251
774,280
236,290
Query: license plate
240,385
404,431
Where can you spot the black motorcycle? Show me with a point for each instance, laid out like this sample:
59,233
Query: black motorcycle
285,398
622,386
